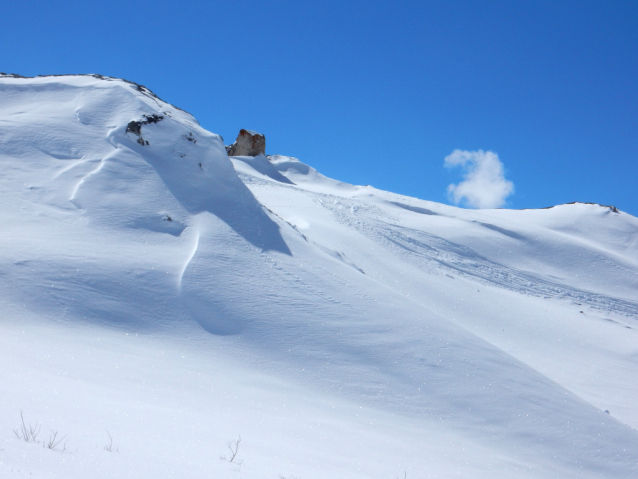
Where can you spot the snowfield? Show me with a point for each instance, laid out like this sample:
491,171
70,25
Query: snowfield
165,306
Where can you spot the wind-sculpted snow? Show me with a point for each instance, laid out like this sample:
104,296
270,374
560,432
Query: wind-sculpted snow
436,255
431,253
155,289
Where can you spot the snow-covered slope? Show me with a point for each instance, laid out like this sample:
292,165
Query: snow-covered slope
158,290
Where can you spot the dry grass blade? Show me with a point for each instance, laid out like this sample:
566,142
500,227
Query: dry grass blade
234,447
54,442
27,433
109,446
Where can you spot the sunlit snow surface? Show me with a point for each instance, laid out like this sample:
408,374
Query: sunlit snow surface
154,293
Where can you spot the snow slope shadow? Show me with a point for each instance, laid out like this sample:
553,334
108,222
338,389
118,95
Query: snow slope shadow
415,209
222,211
261,164
215,285
206,182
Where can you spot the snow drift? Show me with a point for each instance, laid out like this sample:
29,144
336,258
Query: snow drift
177,298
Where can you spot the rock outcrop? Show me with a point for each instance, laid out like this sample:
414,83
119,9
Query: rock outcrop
135,127
248,143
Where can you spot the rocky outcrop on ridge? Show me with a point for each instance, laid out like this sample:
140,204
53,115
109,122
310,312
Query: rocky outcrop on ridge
135,127
248,143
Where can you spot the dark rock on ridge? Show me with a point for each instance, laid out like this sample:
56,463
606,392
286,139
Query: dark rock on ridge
135,127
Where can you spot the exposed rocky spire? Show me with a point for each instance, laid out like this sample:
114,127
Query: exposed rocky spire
248,143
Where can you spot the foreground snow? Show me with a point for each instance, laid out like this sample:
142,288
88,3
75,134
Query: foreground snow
177,300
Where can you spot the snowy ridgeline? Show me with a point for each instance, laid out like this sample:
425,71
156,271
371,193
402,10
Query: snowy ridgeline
173,312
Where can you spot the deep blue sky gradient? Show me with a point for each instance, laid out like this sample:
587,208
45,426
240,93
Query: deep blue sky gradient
376,92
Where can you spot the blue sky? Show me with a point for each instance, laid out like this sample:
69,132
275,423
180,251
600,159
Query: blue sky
377,93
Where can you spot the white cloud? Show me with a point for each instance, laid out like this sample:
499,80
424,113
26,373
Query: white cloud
484,184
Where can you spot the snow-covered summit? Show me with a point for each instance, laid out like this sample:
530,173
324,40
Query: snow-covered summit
110,161
155,288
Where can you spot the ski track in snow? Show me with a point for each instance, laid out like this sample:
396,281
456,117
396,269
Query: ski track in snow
437,255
